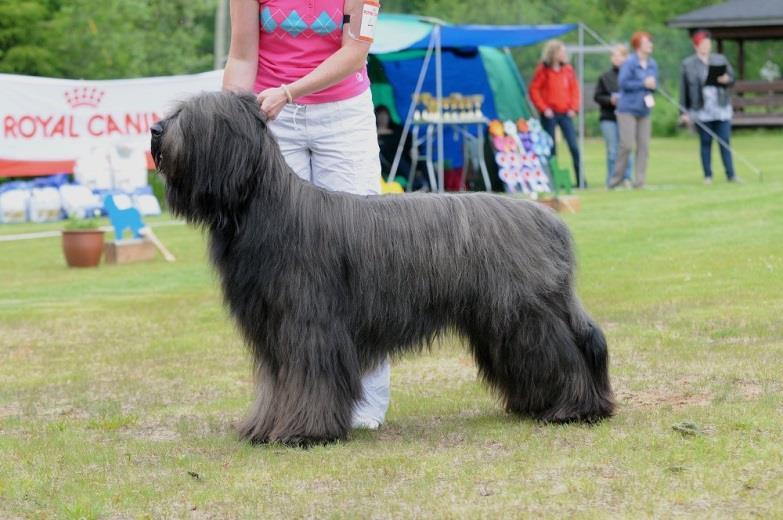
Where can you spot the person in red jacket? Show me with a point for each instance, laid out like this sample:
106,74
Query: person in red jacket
554,92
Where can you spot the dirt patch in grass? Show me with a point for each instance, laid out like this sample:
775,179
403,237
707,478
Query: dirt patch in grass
683,393
662,397
9,410
152,433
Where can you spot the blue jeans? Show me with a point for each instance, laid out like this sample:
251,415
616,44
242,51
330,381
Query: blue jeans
569,133
612,139
723,130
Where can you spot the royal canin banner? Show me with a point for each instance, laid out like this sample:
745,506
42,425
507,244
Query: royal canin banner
47,124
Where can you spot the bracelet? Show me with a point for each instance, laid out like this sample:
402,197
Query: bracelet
287,92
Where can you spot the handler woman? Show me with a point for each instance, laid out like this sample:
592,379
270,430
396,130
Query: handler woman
307,63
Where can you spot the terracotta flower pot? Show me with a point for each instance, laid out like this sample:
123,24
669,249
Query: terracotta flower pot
83,247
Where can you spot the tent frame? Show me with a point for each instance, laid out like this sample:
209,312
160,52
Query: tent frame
435,46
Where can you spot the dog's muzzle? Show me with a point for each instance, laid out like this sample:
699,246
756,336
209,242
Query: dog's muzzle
157,135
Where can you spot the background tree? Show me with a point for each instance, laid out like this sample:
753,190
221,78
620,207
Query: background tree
102,40
132,38
23,49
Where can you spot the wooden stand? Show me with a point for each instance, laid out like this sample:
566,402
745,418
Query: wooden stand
129,251
563,203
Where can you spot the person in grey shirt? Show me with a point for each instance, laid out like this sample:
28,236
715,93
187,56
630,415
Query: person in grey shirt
709,106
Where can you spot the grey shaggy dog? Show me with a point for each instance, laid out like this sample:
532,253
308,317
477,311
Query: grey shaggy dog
325,285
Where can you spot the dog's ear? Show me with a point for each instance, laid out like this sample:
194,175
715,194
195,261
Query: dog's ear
233,131
216,150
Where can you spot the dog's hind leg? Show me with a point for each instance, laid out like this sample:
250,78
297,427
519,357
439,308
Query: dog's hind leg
309,397
539,371
592,344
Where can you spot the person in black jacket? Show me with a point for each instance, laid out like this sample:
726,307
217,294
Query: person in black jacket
606,95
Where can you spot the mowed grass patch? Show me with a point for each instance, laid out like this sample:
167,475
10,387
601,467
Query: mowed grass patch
119,386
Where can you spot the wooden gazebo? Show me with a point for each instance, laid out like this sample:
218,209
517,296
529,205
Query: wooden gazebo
757,102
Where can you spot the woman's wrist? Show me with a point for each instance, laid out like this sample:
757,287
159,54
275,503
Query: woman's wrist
295,88
287,91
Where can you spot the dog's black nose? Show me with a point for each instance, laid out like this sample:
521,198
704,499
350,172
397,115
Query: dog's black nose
157,129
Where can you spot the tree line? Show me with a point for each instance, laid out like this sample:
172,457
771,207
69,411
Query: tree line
92,39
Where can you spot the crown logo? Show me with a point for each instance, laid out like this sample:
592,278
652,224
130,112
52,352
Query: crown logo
84,97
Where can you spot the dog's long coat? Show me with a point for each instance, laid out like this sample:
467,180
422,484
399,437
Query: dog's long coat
324,285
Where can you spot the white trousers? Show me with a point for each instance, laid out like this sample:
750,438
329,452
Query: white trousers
335,146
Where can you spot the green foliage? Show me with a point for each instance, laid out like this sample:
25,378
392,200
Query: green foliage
22,34
158,187
81,224
103,40
665,117
133,38
614,20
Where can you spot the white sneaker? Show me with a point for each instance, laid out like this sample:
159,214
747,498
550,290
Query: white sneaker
364,423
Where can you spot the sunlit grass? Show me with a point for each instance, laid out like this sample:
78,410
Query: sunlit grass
119,385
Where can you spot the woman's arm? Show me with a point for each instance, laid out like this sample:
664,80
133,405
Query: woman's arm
627,82
349,59
685,99
602,95
573,94
242,63
535,89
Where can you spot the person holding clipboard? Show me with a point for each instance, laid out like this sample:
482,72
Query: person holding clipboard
705,97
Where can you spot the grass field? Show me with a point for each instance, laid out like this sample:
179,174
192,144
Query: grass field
119,386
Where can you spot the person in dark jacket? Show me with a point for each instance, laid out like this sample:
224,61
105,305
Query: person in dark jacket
606,95
708,105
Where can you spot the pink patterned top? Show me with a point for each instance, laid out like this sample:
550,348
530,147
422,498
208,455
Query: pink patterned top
295,36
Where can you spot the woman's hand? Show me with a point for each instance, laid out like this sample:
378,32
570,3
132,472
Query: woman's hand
548,113
571,113
649,82
724,79
272,101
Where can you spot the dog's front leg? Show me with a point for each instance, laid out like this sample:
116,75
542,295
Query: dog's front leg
310,396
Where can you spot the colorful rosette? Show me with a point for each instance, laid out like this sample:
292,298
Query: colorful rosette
496,128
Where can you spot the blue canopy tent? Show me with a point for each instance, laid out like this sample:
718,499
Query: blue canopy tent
405,45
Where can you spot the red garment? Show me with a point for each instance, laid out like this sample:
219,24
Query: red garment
557,90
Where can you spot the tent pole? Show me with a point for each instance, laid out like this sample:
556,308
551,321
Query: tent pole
409,118
439,95
582,177
222,35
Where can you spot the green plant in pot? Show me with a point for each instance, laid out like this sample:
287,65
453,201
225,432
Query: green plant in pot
82,242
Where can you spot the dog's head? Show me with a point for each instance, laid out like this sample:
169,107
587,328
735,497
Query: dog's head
210,151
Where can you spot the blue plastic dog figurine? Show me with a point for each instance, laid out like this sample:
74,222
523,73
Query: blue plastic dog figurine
121,219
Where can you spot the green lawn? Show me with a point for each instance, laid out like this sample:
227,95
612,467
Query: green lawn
119,386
